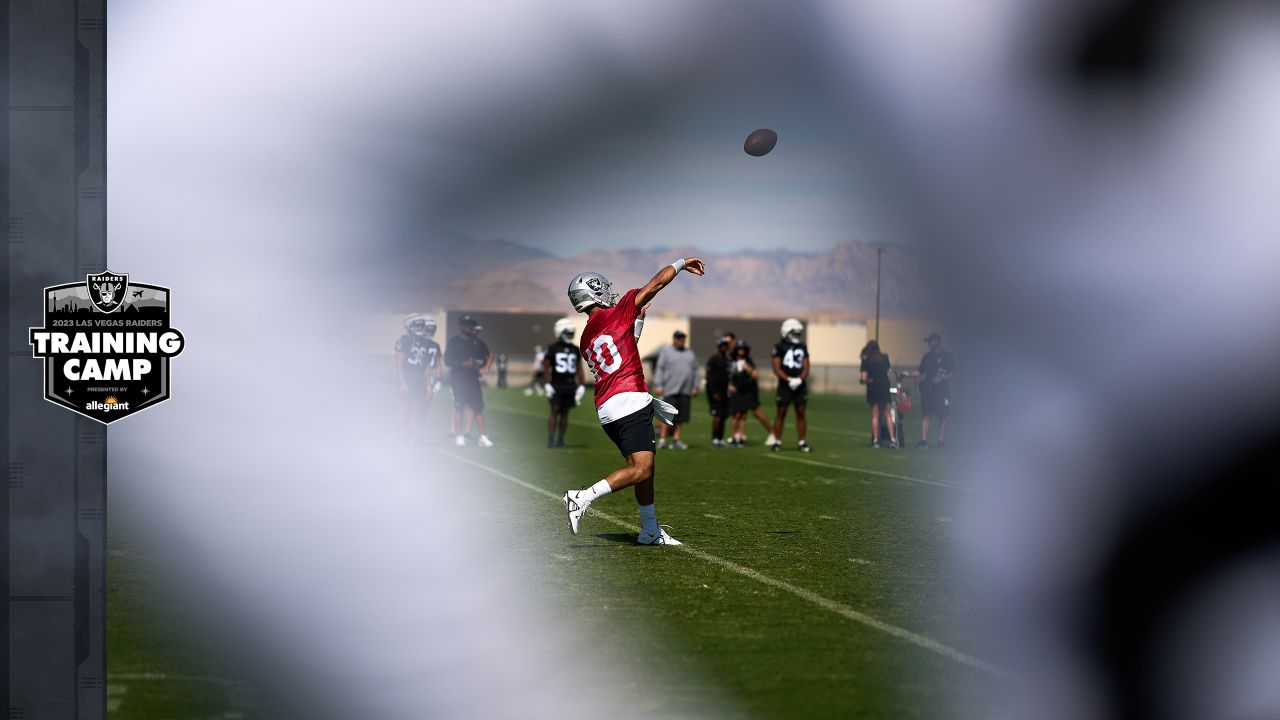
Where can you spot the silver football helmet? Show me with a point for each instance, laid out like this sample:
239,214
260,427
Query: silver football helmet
565,329
420,325
590,288
792,330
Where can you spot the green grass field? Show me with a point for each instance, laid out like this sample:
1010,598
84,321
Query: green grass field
814,585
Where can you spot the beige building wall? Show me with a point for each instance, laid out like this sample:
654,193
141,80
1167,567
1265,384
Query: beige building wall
658,330
835,343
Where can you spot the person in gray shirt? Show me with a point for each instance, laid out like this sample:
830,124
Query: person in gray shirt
675,379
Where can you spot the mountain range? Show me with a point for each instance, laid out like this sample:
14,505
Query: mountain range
501,275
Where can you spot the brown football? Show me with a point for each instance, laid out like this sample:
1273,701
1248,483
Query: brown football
760,142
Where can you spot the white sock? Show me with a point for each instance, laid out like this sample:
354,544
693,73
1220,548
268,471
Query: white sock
648,519
590,494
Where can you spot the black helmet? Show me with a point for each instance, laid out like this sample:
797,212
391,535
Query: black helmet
469,322
741,345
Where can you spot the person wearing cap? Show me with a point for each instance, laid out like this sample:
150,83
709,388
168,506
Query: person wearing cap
937,369
675,380
718,388
468,357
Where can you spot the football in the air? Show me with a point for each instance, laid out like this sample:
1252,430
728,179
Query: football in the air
760,142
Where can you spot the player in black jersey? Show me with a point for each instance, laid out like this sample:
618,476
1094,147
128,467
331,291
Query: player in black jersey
791,367
562,380
418,368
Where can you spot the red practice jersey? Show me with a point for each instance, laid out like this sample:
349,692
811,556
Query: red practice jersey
609,347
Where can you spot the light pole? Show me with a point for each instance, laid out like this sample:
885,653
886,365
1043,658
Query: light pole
879,253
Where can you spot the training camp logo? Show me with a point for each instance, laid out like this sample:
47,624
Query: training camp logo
106,344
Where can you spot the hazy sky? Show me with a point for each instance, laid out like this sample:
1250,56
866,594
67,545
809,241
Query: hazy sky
686,180
643,150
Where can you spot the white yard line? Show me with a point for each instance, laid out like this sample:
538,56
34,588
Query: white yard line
838,608
865,471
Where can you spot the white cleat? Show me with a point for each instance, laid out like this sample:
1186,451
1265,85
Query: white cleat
659,538
460,440
574,509
771,440
485,441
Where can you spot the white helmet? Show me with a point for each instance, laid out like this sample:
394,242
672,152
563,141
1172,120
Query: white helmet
565,329
590,288
420,325
792,330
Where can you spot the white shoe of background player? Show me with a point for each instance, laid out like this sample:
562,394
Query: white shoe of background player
485,441
460,440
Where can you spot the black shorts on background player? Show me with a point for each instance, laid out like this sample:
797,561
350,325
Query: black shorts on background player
935,402
633,433
744,401
683,405
562,398
787,396
719,406
467,393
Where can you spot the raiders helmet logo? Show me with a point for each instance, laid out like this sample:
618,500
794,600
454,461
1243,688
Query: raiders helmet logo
595,285
107,290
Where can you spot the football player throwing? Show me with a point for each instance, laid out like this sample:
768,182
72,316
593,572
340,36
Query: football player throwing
623,402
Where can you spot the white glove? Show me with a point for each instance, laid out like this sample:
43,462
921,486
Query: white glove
548,390
577,394
435,388
639,327
794,382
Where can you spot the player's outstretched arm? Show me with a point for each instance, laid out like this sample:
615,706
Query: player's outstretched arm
664,277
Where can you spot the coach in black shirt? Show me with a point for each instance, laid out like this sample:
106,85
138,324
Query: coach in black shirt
467,358
937,368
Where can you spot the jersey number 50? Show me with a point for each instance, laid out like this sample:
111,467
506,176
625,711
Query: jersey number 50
598,348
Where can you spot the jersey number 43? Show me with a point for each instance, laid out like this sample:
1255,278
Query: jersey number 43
794,359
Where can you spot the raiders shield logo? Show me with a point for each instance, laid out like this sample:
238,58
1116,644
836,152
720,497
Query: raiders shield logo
596,286
107,290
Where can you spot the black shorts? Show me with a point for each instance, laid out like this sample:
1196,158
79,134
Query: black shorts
468,394
936,403
417,387
562,398
878,394
682,405
633,433
787,396
744,401
719,404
